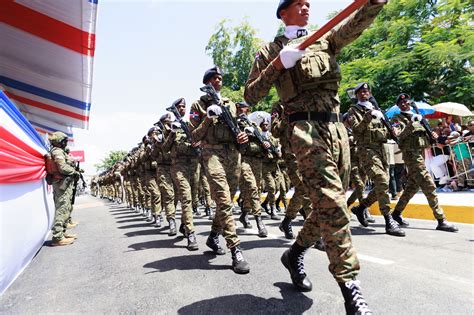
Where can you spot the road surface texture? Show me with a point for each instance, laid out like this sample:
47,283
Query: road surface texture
121,264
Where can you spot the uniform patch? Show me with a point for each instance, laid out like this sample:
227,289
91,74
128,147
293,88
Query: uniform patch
193,115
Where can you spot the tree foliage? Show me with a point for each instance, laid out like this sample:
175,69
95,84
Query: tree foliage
111,158
422,47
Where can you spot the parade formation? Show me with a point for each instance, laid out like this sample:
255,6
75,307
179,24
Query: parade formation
224,153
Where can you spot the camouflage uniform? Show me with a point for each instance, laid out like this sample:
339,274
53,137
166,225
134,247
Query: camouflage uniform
321,147
165,181
221,161
151,182
184,164
63,184
370,135
357,177
413,142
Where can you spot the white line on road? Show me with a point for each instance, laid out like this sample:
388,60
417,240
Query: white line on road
375,260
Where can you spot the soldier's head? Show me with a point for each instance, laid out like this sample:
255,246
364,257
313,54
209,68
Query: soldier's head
293,12
265,125
242,108
213,77
167,119
403,102
58,139
153,133
180,104
362,92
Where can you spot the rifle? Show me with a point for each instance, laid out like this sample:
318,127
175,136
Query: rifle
385,121
184,126
76,180
331,23
424,123
226,115
160,125
261,139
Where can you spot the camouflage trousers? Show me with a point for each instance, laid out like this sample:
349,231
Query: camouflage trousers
300,197
146,192
152,186
165,183
269,175
128,191
204,189
251,175
140,192
374,162
322,153
136,190
184,172
62,192
358,179
222,166
418,177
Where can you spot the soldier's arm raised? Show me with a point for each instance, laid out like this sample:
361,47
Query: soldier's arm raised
199,122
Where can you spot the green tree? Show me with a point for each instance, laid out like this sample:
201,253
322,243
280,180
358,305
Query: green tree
422,47
233,49
111,158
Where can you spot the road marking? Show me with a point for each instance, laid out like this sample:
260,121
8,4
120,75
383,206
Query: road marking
375,260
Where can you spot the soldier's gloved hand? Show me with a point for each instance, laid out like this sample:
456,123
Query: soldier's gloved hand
289,55
249,130
266,145
416,117
376,114
213,111
159,137
175,126
242,138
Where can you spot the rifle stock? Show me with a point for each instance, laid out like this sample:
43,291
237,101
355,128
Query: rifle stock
424,123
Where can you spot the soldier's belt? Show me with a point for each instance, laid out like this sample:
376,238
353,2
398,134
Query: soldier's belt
315,116
221,146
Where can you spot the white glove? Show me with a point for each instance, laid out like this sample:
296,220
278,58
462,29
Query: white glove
416,117
249,130
289,55
214,111
159,138
175,126
376,114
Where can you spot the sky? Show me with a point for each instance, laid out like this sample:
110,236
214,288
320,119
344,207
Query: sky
152,52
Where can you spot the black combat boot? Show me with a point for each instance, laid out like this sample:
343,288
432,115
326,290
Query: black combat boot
392,227
192,243
265,206
285,227
239,264
172,224
368,216
157,220
292,259
213,243
444,225
196,211
211,214
244,219
359,211
397,216
262,230
277,204
319,245
182,229
273,214
354,301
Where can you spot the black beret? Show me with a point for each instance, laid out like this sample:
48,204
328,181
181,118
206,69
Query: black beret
360,86
401,97
180,100
283,5
210,73
241,104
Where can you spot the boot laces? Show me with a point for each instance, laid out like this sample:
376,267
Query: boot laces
357,298
239,256
300,264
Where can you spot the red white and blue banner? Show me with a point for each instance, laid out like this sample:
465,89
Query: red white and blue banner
27,207
46,58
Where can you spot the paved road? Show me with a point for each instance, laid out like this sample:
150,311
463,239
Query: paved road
120,264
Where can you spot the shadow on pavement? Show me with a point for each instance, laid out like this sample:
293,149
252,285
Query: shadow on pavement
130,220
292,302
365,231
265,243
153,231
166,243
131,226
195,262
134,215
